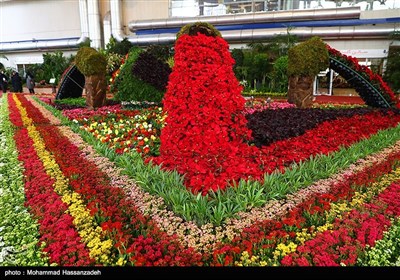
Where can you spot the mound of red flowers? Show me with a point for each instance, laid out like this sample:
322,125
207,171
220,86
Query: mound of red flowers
205,134
206,138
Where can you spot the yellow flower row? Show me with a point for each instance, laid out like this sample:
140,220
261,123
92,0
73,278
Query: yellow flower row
90,232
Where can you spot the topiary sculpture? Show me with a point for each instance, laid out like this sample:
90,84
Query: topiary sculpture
305,61
92,64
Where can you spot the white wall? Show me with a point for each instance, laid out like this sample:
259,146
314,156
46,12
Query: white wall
140,10
40,19
362,48
23,20
26,58
137,10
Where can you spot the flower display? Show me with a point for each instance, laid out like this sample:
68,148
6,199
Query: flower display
114,75
206,128
338,220
206,137
205,180
127,130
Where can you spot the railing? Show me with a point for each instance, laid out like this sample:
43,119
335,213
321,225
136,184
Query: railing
189,8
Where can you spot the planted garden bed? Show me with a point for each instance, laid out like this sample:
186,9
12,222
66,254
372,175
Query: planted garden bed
203,180
333,207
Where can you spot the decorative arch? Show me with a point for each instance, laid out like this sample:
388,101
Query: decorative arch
370,86
71,84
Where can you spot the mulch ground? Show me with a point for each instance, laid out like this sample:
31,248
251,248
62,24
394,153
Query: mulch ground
321,99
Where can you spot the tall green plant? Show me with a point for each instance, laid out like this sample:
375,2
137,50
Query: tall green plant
280,44
308,58
270,74
279,78
54,65
121,48
392,73
255,69
238,56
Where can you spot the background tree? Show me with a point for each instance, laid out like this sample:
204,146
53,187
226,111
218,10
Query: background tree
280,44
264,65
121,48
53,66
278,76
392,72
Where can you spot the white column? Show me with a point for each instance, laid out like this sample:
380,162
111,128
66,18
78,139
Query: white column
94,24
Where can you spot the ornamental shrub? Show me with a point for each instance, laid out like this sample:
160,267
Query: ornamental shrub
151,70
205,136
308,58
90,62
132,88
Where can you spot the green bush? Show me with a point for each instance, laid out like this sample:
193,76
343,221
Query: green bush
113,62
308,58
279,78
90,62
53,66
121,48
131,88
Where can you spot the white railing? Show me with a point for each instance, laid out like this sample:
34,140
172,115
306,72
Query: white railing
191,8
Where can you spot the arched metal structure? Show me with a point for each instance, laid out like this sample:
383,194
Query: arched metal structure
72,83
363,85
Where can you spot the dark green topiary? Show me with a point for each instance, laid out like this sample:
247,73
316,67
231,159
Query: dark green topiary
130,87
308,58
199,27
152,70
161,52
90,62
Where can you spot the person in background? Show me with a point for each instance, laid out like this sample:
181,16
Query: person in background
3,81
16,81
30,82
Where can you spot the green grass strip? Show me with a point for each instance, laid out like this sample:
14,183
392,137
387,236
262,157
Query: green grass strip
19,232
215,208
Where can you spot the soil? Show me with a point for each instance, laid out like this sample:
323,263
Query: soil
339,99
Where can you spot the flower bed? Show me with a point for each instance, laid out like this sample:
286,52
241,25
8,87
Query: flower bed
226,187
112,212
